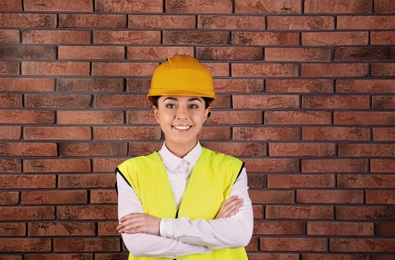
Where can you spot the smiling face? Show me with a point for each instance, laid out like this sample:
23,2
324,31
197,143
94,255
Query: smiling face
181,119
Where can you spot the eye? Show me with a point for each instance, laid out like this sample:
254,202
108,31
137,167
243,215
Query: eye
193,106
170,105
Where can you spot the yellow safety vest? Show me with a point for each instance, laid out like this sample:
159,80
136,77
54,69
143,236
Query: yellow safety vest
208,187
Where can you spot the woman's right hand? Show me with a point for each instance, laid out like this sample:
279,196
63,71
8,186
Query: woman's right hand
230,207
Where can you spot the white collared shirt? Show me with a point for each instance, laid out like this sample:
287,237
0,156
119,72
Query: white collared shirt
183,236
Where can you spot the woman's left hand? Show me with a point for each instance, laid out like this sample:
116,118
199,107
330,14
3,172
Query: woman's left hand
139,223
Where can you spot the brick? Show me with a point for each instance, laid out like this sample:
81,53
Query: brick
11,257
12,229
54,5
9,198
126,37
138,85
28,52
334,70
385,228
27,213
58,100
10,132
237,149
161,22
58,256
106,164
338,6
265,38
300,23
384,7
28,149
9,36
93,149
195,37
55,68
258,211
299,85
89,117
57,133
86,244
27,181
336,256
383,257
61,229
56,37
25,245
127,133
364,53
334,38
229,53
271,165
145,148
89,85
56,165
155,52
27,84
103,196
19,20
363,150
365,213
121,101
361,245
265,133
238,85
91,52
268,7
140,117
329,196
92,20
253,245
382,38
382,165
334,165
383,102
256,181
235,117
122,69
218,69
335,133
27,117
301,181
380,197
301,149
365,181
222,101
9,68
87,212
203,6
383,69
271,197
299,212
264,69
364,118
108,229
10,100
11,5
339,229
293,244
231,22
87,180
278,228
265,101
150,6
363,85
297,117
335,102
10,165
274,256
54,197
297,54
364,22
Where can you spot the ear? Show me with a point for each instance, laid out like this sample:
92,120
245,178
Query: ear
156,113
207,114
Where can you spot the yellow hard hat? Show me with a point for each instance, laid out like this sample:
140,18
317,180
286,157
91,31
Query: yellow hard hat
181,75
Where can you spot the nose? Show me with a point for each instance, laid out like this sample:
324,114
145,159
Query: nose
182,113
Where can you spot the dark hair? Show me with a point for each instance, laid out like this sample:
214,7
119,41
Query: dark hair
207,101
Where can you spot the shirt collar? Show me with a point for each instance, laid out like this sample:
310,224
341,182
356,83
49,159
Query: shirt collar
172,161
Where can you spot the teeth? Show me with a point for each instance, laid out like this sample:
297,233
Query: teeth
182,127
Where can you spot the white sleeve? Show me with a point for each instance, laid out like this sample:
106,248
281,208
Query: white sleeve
235,231
145,245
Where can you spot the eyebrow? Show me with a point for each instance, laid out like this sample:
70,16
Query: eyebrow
189,100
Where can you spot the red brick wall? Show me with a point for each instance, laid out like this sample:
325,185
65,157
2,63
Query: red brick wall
306,97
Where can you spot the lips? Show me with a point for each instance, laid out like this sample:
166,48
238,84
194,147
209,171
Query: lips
182,127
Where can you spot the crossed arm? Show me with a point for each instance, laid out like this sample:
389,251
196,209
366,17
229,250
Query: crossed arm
147,235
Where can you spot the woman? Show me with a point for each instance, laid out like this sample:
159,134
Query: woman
184,201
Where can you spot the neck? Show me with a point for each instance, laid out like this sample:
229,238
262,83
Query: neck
180,149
